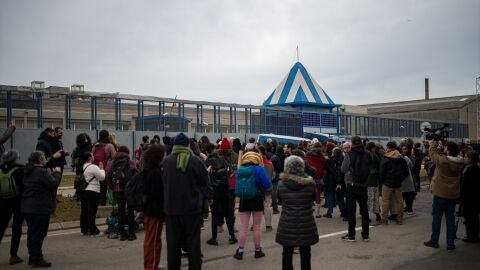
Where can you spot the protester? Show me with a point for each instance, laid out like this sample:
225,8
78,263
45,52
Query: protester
90,196
6,135
143,147
297,192
469,196
45,144
267,202
277,160
185,181
84,145
316,160
10,200
373,182
446,190
250,170
119,172
154,215
332,183
103,151
408,186
356,166
57,146
38,203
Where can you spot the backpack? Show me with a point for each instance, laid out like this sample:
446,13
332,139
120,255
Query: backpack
360,167
80,183
220,171
245,183
135,191
100,154
8,186
121,173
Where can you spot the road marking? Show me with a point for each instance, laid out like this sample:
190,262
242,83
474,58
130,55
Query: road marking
339,233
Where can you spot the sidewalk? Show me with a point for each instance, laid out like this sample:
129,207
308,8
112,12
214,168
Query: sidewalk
57,226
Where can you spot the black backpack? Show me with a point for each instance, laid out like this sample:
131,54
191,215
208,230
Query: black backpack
220,171
360,167
121,173
136,191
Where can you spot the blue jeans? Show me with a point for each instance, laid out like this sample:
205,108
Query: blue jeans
439,207
331,197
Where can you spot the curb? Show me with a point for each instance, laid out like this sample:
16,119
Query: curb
58,226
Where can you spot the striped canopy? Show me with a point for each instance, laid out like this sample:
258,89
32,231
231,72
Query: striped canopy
299,88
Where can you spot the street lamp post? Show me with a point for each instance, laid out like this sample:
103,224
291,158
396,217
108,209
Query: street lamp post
164,123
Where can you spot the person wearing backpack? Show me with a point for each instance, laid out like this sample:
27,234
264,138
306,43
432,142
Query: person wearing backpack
393,170
11,185
119,172
356,166
89,197
103,151
38,203
296,227
250,185
219,171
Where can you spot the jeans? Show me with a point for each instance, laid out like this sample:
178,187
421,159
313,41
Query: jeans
331,198
304,258
357,194
439,207
37,231
124,211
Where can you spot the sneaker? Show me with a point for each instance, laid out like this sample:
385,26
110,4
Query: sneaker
100,234
259,253
348,238
15,260
212,242
431,244
132,237
232,240
268,228
41,263
365,238
327,215
112,236
238,254
451,247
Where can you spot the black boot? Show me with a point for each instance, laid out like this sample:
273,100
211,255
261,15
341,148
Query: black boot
41,263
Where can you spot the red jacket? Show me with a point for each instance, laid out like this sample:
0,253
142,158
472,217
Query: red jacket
316,160
109,170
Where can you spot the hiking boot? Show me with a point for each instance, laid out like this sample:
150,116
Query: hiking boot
14,260
212,242
348,238
41,263
232,240
451,247
268,228
431,244
238,254
327,215
259,253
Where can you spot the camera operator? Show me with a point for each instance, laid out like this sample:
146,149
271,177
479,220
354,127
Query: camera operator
445,187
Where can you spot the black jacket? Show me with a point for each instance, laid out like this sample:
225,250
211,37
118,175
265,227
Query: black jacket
332,174
393,169
154,184
470,185
296,226
184,192
57,145
45,144
39,190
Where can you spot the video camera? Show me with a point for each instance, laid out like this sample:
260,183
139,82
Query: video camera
432,135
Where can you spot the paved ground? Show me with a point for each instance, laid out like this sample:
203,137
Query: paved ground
391,247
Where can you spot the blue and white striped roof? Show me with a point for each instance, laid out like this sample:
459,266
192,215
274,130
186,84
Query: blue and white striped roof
299,88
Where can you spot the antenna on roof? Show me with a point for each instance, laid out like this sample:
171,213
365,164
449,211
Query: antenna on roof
298,57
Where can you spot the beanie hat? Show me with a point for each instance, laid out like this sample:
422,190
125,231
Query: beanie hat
10,156
181,139
225,144
356,140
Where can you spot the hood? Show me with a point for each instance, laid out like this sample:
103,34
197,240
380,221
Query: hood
121,155
296,182
30,167
393,154
44,136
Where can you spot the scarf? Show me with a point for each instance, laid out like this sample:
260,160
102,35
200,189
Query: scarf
183,156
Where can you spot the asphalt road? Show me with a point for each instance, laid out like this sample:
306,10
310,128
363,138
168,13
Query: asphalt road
391,247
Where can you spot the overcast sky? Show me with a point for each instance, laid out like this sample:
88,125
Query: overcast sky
239,51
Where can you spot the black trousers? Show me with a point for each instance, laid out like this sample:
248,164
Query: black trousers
37,231
123,212
471,214
409,197
7,209
356,194
221,211
103,193
183,232
304,258
88,214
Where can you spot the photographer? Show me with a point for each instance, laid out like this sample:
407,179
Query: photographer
445,187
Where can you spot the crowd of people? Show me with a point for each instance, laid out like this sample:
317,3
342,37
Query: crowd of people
183,179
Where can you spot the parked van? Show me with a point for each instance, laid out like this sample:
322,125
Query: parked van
280,139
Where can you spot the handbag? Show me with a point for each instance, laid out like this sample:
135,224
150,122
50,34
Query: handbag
80,183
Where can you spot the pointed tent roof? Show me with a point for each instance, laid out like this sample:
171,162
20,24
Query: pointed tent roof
299,88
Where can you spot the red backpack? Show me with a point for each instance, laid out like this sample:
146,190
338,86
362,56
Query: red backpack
100,154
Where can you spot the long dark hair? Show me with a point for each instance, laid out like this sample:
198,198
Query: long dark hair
153,156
